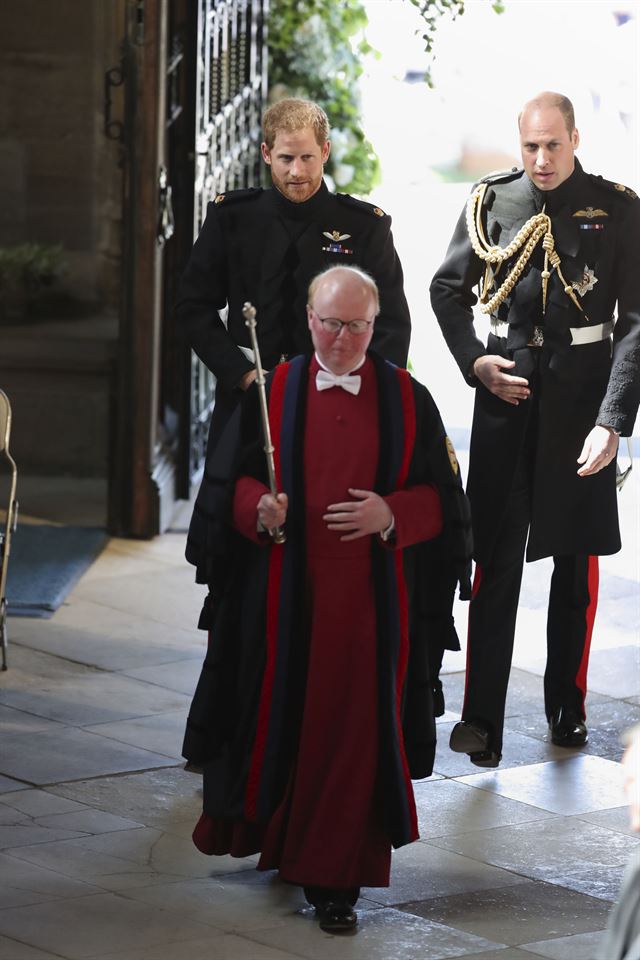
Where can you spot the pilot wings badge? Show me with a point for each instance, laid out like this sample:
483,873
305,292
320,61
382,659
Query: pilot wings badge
586,283
336,238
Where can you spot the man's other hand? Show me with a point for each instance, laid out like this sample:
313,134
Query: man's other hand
489,371
247,379
598,450
366,514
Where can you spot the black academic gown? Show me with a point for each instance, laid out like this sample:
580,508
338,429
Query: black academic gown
221,729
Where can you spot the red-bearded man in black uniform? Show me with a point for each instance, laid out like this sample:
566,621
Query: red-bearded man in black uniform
314,707
554,250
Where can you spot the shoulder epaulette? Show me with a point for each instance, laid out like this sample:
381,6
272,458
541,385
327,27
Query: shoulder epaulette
502,176
360,204
234,196
618,188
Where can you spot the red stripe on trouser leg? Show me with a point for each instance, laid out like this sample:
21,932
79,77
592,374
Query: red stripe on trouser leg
593,580
477,580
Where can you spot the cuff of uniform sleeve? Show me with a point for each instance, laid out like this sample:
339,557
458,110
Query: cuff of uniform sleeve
609,428
390,532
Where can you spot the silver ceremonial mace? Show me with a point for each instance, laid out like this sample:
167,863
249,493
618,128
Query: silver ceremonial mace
249,313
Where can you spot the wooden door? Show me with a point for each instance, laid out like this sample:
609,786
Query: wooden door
195,76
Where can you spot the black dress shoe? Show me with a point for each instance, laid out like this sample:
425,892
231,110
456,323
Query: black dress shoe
567,728
485,758
316,895
469,736
336,916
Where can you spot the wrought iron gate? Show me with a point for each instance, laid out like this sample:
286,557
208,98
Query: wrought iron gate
193,74
231,78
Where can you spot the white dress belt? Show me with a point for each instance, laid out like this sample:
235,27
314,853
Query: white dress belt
579,335
599,331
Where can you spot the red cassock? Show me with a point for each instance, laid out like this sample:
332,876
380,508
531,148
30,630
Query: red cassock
328,830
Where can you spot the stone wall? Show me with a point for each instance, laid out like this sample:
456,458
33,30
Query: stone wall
59,177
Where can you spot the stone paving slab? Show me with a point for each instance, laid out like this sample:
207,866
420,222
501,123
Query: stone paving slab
581,946
162,733
179,675
505,953
137,857
217,946
570,853
170,596
88,926
8,785
155,797
578,784
13,950
615,819
23,883
517,914
90,634
451,807
383,934
14,721
39,803
72,754
94,697
423,870
239,903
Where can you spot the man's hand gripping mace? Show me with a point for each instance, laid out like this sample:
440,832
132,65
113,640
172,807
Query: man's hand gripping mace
249,313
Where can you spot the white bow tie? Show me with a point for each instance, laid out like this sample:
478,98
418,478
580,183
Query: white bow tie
348,381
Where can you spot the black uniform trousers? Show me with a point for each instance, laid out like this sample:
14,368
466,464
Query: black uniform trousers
494,604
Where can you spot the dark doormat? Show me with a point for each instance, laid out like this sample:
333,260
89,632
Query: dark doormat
44,564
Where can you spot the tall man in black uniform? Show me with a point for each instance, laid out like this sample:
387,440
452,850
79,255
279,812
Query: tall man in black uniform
264,246
553,249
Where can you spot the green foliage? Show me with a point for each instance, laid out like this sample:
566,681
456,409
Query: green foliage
315,48
27,272
431,11
30,265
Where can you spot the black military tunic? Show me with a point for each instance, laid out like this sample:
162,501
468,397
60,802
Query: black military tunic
258,246
596,226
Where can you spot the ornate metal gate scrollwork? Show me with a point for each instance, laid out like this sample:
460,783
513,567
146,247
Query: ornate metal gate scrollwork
231,74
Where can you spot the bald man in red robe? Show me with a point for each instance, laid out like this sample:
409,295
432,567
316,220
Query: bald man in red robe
315,769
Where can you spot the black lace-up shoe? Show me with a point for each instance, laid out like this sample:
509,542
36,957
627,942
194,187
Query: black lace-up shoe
469,736
336,916
567,728
485,758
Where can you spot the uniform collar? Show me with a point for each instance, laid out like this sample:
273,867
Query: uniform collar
299,211
554,200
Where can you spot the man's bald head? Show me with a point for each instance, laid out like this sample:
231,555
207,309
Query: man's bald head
350,296
547,99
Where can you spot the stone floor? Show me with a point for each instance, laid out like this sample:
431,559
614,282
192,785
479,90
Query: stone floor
96,810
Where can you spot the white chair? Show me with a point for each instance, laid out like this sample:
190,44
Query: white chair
11,519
